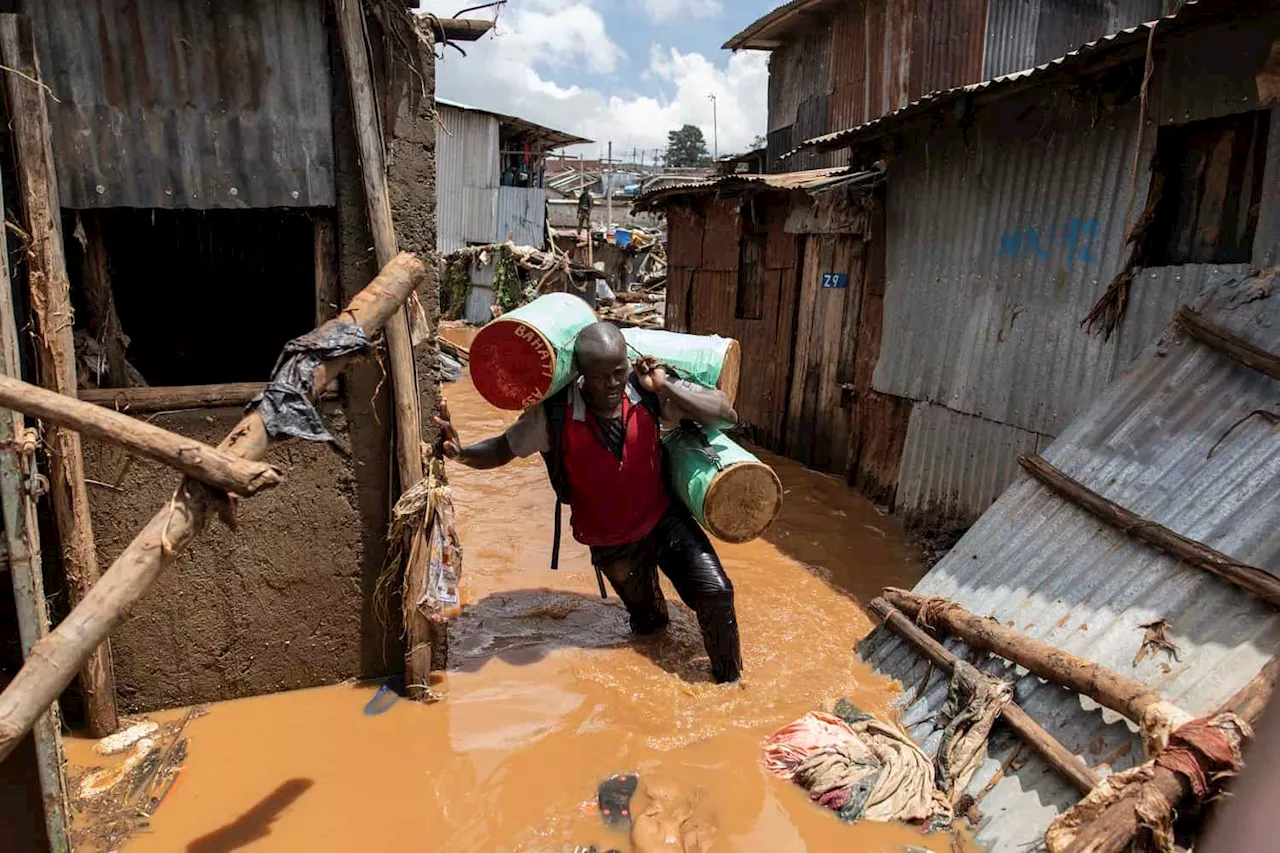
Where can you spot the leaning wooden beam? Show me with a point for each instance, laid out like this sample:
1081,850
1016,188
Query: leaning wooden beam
100,300
1116,828
21,558
56,359
193,458
404,383
1046,745
54,659
1189,551
1105,686
174,398
1228,343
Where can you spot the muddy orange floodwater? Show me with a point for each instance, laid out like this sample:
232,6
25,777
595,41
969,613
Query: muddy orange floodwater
547,694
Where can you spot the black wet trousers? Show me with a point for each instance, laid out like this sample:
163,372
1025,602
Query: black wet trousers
678,546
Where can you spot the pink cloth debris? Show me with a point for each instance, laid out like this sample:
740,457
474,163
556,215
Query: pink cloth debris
787,748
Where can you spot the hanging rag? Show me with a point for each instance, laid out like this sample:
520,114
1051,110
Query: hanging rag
860,767
1205,752
974,703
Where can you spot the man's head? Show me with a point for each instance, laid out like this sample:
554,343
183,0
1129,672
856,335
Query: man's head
601,357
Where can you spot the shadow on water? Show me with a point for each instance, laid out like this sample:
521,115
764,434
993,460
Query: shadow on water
523,626
253,825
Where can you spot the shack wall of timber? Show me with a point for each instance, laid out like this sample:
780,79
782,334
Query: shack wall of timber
792,266
286,601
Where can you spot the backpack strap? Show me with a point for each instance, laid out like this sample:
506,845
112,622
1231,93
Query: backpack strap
557,410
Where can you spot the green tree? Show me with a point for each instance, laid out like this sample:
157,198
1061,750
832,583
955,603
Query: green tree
687,147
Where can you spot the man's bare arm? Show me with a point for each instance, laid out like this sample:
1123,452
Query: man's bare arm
493,452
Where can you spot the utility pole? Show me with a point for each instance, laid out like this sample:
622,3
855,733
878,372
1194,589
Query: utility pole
715,130
608,193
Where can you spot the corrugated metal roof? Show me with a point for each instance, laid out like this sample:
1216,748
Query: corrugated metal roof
548,137
1052,571
810,179
188,105
772,29
1193,13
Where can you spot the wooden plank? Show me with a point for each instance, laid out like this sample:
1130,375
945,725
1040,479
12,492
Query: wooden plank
173,398
798,431
55,347
55,658
1262,584
1046,745
193,458
23,561
328,288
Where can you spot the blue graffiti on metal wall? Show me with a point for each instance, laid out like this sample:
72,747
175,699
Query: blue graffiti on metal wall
1077,234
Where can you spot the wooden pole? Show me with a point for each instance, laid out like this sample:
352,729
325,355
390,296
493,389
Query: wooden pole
1105,686
1255,580
175,398
54,659
1231,345
51,310
1046,745
21,547
193,458
404,383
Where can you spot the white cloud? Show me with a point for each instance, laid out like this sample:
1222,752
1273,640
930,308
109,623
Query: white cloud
669,10
516,71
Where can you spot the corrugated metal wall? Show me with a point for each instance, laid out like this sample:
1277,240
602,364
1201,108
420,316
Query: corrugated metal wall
174,104
522,216
947,43
467,176
1026,33
1000,239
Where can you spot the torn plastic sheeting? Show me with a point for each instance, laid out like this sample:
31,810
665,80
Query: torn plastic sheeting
285,404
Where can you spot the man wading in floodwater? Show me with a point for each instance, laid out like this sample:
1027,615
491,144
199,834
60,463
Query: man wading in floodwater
601,441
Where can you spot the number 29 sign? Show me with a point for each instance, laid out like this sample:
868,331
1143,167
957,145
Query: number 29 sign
835,280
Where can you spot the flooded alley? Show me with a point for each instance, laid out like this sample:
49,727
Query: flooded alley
547,695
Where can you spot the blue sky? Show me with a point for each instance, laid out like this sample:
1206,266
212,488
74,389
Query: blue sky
612,70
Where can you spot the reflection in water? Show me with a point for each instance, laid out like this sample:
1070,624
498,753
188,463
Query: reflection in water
548,694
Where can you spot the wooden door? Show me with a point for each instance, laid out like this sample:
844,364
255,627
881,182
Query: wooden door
819,406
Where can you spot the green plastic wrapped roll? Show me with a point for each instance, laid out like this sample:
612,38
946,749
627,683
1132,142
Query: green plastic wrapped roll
730,492
709,360
526,355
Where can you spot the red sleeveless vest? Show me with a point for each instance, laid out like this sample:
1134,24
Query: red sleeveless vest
614,502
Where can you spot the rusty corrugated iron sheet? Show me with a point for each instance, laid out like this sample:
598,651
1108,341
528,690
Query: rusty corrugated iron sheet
172,104
947,43
1192,14
1054,572
1024,33
809,179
